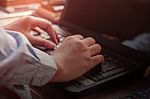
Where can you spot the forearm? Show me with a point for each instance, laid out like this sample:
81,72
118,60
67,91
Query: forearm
26,65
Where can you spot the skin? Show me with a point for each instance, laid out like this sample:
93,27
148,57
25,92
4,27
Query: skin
73,58
25,24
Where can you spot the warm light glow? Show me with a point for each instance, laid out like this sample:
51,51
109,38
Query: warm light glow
6,3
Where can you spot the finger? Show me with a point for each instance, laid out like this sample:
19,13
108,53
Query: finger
58,38
41,31
41,42
37,30
89,41
79,36
46,26
53,35
97,59
95,49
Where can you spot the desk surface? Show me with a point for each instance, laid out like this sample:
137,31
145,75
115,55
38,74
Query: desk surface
6,18
124,88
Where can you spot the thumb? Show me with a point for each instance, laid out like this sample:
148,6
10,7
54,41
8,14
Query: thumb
41,42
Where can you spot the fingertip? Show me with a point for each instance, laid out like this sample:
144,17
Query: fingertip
102,58
98,59
79,36
54,36
50,45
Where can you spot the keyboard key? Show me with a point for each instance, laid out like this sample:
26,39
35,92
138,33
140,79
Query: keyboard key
106,67
95,77
45,36
113,72
100,77
85,81
77,84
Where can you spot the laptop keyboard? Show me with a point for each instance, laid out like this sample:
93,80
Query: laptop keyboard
111,68
99,74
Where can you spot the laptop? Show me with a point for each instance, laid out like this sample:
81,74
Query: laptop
90,19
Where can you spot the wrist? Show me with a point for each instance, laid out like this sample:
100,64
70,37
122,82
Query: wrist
59,72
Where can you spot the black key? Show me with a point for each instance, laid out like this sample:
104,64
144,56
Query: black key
77,84
113,72
106,67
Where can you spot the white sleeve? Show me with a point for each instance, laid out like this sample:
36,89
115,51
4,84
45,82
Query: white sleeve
21,64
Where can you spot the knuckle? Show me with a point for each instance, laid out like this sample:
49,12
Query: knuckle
70,38
79,45
76,42
28,18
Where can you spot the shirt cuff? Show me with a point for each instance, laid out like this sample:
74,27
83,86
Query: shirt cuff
48,71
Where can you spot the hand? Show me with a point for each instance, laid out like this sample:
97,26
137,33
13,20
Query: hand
25,24
46,14
75,57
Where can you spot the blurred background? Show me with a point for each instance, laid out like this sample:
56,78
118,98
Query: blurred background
48,9
123,19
